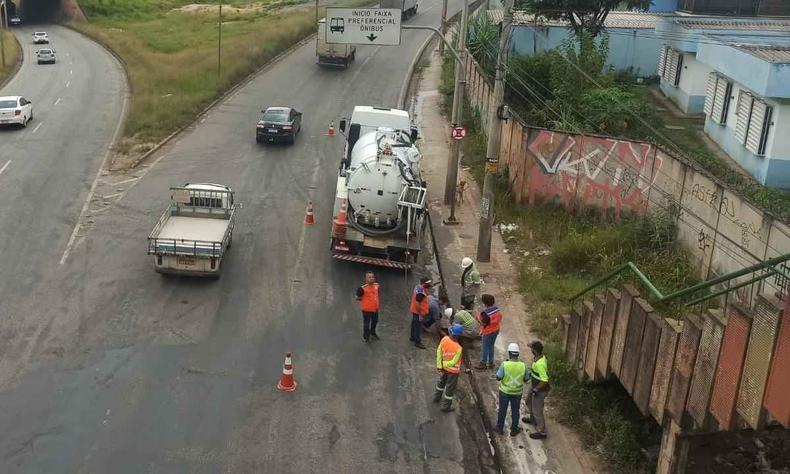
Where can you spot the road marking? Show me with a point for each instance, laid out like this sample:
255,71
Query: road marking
68,83
71,71
111,195
102,166
5,166
57,101
303,234
37,127
125,181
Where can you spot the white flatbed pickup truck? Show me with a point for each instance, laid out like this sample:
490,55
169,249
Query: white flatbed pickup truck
195,230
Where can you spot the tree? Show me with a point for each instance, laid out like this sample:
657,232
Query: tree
582,15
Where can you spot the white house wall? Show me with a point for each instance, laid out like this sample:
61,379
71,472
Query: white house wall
689,95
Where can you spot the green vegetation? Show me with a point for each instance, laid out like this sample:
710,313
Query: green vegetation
568,89
11,52
559,253
170,52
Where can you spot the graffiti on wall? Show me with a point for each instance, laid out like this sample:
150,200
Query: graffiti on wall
593,171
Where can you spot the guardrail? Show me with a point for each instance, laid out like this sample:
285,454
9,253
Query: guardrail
766,267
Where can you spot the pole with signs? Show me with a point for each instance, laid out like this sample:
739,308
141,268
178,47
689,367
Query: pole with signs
451,180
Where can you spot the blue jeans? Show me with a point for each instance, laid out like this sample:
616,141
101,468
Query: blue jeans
515,403
487,356
416,329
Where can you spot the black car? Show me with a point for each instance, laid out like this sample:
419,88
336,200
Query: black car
278,124
15,20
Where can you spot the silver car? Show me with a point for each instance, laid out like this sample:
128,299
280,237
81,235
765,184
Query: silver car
45,55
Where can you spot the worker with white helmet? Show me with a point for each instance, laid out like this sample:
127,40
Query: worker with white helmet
512,375
470,282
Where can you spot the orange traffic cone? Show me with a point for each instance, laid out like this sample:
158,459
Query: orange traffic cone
340,222
309,218
331,131
287,383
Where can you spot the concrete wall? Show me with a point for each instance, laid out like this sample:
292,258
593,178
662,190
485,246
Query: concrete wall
720,231
635,49
663,6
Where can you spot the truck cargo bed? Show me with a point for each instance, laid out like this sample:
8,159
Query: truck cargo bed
190,235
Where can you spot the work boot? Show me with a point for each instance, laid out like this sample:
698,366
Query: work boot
481,366
366,339
375,336
500,431
538,435
419,345
515,432
448,409
528,419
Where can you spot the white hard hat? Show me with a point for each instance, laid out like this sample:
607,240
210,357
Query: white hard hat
466,262
448,312
513,347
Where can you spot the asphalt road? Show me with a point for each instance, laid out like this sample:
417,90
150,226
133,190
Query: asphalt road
45,171
124,370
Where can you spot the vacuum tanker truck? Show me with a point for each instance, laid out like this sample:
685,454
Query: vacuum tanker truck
380,199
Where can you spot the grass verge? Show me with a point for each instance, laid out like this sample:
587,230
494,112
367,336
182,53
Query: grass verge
11,52
169,49
558,254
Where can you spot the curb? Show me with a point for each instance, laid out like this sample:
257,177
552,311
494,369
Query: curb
404,89
19,59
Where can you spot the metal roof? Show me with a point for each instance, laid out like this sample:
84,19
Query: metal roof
733,24
772,54
616,19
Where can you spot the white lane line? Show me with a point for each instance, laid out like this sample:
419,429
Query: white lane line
68,83
57,101
125,181
102,166
109,196
5,166
71,71
37,127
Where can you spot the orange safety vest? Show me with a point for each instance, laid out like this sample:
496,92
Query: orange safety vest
369,301
423,308
449,356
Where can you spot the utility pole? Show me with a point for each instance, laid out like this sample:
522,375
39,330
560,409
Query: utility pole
443,26
219,46
451,181
3,27
316,15
492,148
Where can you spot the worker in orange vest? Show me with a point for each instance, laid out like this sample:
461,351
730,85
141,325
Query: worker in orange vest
368,297
448,362
419,309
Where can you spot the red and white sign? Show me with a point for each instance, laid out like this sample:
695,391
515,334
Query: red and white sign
458,133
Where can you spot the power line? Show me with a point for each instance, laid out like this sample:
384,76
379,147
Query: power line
617,158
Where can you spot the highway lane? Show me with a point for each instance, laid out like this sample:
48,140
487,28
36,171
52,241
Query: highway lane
46,170
137,372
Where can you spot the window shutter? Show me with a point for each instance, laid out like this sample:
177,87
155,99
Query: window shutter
672,67
679,67
744,110
710,92
662,62
719,100
754,136
769,111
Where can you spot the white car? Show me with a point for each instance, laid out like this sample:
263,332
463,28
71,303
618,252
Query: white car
40,37
45,55
15,110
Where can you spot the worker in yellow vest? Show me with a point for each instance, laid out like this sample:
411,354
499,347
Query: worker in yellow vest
540,388
512,376
448,362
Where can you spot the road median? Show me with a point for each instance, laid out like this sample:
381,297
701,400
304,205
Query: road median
12,58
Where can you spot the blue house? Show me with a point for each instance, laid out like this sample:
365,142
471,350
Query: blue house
633,44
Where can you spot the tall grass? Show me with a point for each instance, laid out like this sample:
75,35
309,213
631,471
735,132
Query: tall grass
171,55
11,51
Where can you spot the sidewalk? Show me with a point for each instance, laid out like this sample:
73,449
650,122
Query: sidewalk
562,451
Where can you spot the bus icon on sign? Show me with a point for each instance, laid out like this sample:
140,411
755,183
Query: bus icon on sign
337,24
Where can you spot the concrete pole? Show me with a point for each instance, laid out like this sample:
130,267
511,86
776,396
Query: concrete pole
3,26
219,46
443,25
451,180
492,148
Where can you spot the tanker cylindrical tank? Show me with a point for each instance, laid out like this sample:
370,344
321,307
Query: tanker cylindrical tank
382,163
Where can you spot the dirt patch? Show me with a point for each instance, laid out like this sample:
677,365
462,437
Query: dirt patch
250,9
741,452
